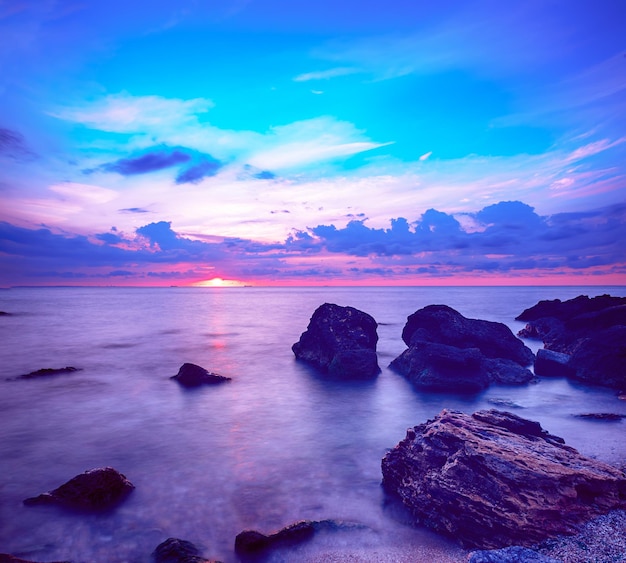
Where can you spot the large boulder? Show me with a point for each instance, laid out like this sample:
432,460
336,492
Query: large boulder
591,331
493,479
340,341
93,490
449,352
191,375
553,364
442,324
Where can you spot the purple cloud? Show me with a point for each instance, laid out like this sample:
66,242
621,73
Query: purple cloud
208,167
149,162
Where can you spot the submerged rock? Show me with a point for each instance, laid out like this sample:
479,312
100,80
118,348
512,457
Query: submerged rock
191,375
493,479
174,550
606,416
340,341
96,489
449,352
44,372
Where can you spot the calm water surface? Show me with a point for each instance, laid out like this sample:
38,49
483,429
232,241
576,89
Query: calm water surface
276,445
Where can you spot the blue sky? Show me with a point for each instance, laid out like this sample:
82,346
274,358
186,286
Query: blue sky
344,142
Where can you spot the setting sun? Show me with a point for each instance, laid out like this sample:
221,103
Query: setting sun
219,282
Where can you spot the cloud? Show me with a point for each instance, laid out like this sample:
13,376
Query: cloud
326,74
194,174
12,145
149,162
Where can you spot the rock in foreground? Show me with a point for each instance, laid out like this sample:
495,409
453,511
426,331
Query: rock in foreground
340,341
450,352
94,490
493,479
191,375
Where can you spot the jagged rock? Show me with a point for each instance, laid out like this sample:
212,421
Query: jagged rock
44,372
513,554
191,375
565,310
553,364
493,479
444,325
449,352
174,550
96,489
340,341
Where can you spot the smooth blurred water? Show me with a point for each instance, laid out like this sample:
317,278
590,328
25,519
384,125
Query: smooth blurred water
275,445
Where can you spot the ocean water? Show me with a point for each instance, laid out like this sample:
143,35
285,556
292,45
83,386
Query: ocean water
277,444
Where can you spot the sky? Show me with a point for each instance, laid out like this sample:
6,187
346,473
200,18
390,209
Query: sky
312,142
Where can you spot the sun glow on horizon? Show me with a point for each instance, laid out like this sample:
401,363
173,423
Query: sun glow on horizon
219,282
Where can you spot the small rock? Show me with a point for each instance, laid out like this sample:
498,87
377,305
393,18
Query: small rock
608,416
94,490
174,550
191,375
251,541
45,372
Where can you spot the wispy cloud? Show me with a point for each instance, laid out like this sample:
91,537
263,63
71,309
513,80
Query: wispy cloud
326,74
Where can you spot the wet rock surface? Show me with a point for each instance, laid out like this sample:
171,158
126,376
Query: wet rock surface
174,550
341,342
192,375
493,480
449,352
592,331
94,490
513,554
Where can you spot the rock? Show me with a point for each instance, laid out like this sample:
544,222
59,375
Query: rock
174,550
600,359
340,341
553,364
44,372
94,490
253,542
493,479
442,324
191,375
449,352
513,554
4,314
608,416
439,367
565,310
591,331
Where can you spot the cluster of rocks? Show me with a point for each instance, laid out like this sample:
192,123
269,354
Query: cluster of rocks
446,351
584,338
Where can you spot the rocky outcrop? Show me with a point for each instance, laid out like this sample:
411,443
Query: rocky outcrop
191,375
174,550
591,331
94,490
45,372
493,479
340,341
448,351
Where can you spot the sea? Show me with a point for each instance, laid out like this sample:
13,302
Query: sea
278,444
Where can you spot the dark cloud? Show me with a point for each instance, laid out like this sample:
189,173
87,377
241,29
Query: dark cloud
133,210
206,168
148,162
264,175
12,145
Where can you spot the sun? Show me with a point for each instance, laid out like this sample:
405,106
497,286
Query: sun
219,282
